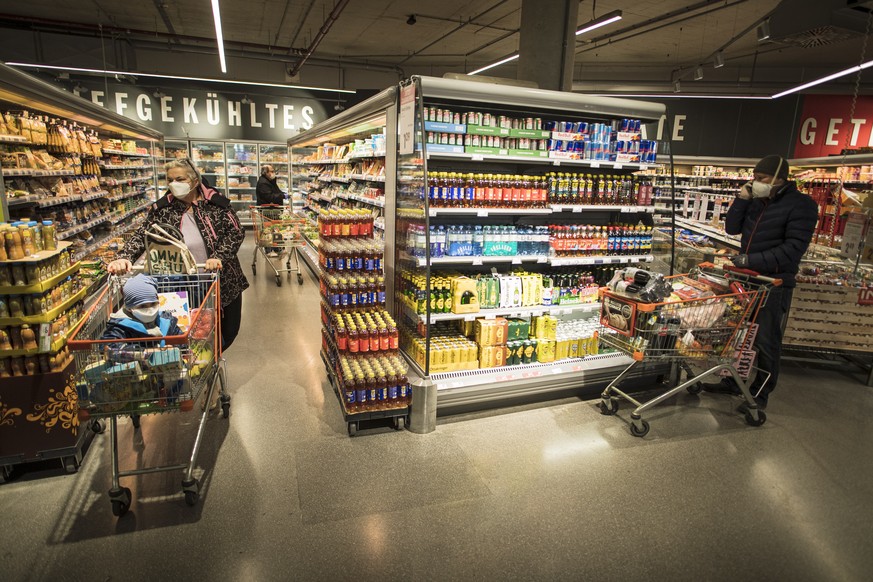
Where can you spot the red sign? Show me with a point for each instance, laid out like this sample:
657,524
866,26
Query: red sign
865,296
826,130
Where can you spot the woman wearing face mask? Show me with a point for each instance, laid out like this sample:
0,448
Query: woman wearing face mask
140,316
776,222
212,233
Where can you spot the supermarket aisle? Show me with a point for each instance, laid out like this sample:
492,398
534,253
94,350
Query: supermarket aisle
554,491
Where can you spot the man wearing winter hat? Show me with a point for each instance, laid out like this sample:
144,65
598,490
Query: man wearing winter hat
140,317
776,222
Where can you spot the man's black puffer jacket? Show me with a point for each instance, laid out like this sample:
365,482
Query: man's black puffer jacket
775,231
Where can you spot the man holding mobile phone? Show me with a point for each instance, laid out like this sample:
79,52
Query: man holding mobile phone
776,222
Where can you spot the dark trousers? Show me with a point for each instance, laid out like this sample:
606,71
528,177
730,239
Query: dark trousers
768,343
231,316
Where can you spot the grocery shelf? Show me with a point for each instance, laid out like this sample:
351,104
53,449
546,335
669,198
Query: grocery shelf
475,261
116,220
62,235
41,255
713,233
341,179
37,173
124,196
42,286
15,139
124,153
608,260
512,312
487,211
370,201
366,156
124,167
538,160
47,317
367,178
317,162
310,256
484,385
602,207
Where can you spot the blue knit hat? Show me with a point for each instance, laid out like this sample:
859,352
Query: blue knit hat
139,290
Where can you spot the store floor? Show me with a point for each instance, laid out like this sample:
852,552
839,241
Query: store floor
542,492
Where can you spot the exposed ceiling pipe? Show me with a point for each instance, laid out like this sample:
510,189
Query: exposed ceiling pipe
266,56
301,23
159,5
322,32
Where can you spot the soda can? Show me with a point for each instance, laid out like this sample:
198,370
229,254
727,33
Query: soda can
638,125
524,143
538,123
486,119
456,118
551,125
451,139
446,116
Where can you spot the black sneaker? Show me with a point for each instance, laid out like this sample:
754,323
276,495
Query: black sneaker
723,387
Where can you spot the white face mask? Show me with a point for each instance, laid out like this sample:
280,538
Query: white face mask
180,189
145,314
761,189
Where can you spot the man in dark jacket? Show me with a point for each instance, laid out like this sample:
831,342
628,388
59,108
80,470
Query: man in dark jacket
776,222
267,190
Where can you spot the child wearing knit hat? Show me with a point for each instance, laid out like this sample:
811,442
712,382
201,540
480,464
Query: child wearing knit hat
140,317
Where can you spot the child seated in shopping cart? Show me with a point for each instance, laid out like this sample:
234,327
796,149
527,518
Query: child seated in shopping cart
140,316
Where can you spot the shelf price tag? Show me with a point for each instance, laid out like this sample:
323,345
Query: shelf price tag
482,212
595,164
477,262
516,260
576,209
490,316
618,166
469,318
477,158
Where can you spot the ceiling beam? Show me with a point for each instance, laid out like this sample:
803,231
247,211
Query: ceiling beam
159,6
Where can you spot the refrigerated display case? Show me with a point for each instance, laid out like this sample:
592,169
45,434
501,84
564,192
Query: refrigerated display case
82,177
507,219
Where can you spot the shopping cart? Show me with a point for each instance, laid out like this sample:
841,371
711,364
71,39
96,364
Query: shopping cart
277,227
137,377
710,328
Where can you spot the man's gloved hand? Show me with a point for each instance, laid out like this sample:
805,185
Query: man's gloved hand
741,261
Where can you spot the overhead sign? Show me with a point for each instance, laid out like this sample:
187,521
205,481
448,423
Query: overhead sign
827,125
205,113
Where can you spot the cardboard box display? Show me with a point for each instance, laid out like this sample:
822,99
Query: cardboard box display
465,296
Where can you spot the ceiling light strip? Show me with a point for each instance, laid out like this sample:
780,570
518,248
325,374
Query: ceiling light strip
608,18
492,65
219,37
177,77
849,71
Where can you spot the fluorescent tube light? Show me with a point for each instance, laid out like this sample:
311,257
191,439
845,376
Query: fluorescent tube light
219,38
679,96
492,65
177,77
849,71
607,18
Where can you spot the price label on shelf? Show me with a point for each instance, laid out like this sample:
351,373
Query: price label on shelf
619,166
516,260
536,313
490,316
481,212
542,260
513,315
643,167
576,209
477,262
595,164
477,158
469,318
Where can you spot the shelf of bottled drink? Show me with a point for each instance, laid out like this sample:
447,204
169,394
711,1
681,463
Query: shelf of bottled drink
511,312
539,160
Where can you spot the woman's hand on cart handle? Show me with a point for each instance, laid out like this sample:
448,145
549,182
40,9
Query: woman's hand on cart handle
119,267
213,264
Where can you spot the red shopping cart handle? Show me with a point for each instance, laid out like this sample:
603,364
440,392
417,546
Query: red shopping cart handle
748,272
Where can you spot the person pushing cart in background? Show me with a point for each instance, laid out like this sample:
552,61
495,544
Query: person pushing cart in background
269,193
777,223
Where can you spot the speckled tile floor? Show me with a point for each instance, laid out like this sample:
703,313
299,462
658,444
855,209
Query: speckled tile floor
537,492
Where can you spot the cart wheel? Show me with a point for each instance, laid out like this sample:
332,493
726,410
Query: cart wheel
637,432
120,499
695,388
98,426
750,420
134,418
300,278
278,280
353,429
192,491
608,408
254,270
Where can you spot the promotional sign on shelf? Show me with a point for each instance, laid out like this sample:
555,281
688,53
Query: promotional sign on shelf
406,122
826,130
